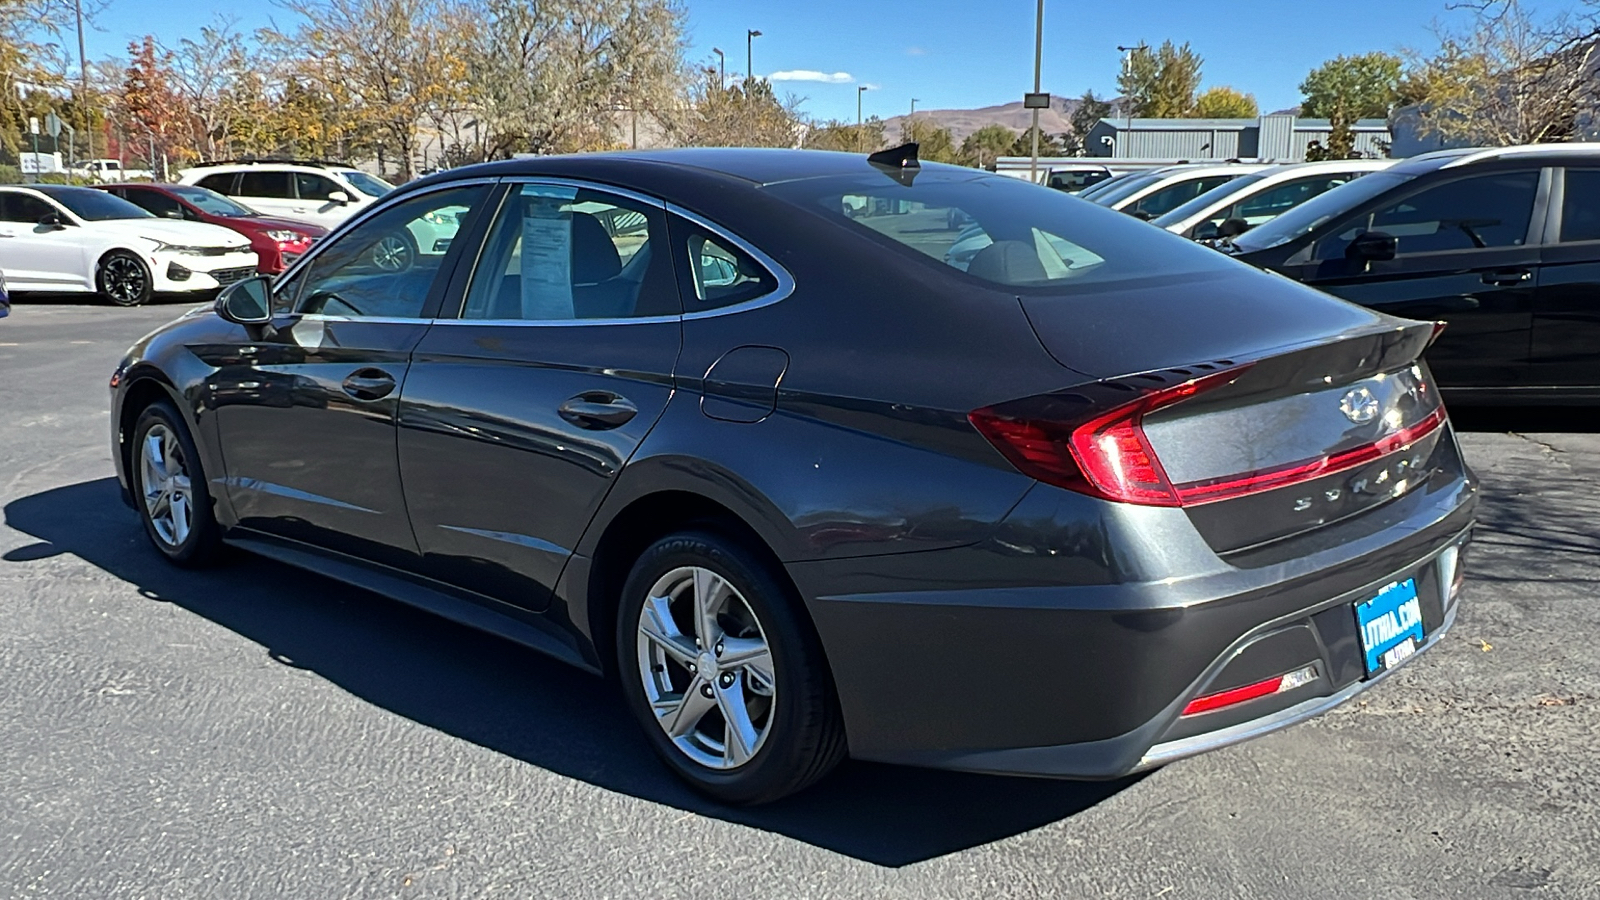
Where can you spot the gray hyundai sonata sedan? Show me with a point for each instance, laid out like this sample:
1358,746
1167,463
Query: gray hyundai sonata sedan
746,431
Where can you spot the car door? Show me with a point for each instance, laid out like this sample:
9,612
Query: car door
1464,254
38,257
271,192
520,411
305,409
1566,312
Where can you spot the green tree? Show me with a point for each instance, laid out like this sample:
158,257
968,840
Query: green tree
1347,88
983,146
1048,145
1161,83
747,114
934,143
1225,103
1091,109
846,137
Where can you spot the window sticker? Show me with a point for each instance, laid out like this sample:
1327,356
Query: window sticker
547,258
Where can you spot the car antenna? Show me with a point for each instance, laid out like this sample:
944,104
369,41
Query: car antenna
899,163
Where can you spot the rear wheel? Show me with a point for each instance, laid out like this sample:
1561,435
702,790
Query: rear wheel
170,490
724,674
124,279
395,252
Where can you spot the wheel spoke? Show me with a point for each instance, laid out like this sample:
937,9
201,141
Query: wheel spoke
179,503
657,624
751,654
155,454
709,591
680,713
740,737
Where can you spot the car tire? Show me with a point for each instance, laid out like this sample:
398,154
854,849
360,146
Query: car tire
395,252
765,669
170,490
122,278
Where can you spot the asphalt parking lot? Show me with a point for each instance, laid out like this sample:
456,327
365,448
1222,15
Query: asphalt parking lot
256,731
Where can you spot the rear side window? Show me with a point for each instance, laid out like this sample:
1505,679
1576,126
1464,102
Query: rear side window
719,273
272,185
313,187
1580,210
1470,213
222,182
1001,230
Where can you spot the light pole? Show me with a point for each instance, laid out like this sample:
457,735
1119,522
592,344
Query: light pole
861,137
1038,61
722,68
83,78
749,40
1127,108
913,106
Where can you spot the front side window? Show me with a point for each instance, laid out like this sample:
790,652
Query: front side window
270,185
1000,230
559,253
313,187
156,203
376,269
1173,196
1580,211
15,207
370,185
1470,213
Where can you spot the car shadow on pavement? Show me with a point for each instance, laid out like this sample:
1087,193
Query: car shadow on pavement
515,701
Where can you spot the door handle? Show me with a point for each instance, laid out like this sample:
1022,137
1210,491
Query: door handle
369,384
597,410
1506,277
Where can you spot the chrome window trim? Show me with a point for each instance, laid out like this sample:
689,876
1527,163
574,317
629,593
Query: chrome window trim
365,213
785,281
375,320
559,323
582,185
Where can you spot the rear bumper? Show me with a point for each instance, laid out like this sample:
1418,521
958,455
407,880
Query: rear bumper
1089,680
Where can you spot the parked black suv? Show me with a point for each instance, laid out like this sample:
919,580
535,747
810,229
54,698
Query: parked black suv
1503,244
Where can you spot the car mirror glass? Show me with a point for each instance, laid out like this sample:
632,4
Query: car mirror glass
247,302
338,197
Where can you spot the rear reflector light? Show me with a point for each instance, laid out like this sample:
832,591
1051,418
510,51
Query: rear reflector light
1105,453
1235,696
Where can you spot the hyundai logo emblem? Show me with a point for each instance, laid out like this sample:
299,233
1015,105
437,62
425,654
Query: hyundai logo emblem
1359,405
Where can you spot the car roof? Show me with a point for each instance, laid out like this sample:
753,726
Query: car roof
755,165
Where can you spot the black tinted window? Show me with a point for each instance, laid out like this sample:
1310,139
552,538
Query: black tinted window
156,202
222,182
558,253
1171,197
23,208
1486,211
273,185
385,266
313,187
1580,210
719,273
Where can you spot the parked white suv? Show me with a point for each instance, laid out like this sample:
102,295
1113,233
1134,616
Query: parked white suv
1242,204
55,238
1147,195
326,194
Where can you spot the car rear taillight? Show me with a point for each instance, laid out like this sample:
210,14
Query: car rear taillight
1234,696
1105,454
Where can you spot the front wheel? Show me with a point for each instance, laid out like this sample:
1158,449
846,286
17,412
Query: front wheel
124,279
170,489
724,673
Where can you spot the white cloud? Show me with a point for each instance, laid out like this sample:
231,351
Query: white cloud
916,51
812,75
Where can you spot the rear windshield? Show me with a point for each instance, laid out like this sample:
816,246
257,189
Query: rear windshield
1001,230
1318,210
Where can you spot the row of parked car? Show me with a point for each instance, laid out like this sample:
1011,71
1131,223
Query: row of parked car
1502,245
219,223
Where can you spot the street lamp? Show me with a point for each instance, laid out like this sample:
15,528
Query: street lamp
913,106
1127,67
860,132
749,39
722,67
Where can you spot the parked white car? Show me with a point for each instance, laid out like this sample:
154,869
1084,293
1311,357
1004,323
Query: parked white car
1159,191
110,171
1244,203
60,239
324,194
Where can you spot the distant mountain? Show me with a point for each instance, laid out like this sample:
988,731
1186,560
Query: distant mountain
962,122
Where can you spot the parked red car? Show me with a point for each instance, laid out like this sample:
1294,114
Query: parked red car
277,242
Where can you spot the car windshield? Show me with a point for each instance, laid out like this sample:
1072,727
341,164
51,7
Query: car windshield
1001,230
370,185
92,205
1318,210
1126,188
1207,200
209,201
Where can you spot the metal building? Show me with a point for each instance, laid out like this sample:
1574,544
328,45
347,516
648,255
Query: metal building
1276,138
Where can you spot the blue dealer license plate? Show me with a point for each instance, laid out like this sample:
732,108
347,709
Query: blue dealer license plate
1390,625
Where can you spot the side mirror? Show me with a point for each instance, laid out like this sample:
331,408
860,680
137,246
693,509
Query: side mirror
246,302
173,214
1372,246
1232,227
339,197
52,221
1140,214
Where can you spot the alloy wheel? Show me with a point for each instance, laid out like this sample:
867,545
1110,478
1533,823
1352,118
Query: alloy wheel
707,668
167,490
392,253
124,279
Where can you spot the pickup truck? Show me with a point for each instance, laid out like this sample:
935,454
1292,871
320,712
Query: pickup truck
110,171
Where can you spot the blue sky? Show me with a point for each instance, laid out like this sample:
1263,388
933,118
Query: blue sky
956,54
